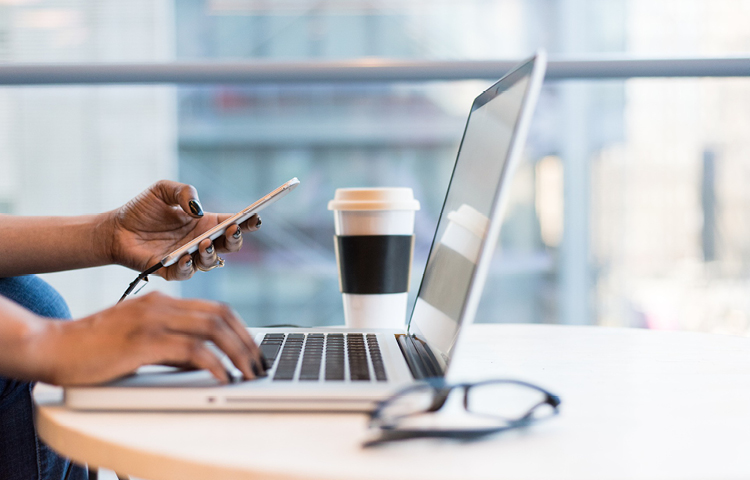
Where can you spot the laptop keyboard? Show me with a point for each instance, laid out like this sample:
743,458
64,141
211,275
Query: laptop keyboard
330,357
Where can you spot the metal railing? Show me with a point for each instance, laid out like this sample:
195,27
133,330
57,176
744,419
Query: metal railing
574,250
360,70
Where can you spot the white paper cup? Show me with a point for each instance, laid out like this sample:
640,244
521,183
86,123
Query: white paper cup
374,247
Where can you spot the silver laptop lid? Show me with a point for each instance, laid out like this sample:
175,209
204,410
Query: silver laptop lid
470,220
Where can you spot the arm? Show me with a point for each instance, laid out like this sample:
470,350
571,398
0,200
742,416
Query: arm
151,329
136,235
52,244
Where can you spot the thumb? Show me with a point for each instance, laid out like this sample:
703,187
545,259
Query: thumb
182,194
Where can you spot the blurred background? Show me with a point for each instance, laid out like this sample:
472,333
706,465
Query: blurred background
630,209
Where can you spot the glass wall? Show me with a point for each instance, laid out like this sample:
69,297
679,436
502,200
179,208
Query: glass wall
628,209
82,149
386,134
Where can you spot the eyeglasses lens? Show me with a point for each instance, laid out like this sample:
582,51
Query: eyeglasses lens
411,402
508,401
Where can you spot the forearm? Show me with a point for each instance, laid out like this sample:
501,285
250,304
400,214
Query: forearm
51,244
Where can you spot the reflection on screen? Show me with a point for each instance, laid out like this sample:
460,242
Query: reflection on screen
463,223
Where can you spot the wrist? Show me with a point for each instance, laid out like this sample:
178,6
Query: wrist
38,348
56,351
104,238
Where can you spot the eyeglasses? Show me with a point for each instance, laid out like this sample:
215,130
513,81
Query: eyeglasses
492,406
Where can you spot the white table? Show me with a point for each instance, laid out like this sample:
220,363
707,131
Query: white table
636,404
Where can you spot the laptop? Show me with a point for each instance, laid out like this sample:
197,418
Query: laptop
340,369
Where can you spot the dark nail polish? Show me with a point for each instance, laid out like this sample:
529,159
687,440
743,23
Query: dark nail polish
210,249
196,208
238,232
266,363
257,224
189,263
258,369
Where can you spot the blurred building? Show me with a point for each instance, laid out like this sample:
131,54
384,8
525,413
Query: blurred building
234,139
82,149
671,226
628,211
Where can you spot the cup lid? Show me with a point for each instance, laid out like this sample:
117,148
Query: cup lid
384,198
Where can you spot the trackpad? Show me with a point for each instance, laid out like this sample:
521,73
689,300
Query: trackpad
161,376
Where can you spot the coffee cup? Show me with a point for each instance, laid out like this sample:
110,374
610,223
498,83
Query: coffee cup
374,245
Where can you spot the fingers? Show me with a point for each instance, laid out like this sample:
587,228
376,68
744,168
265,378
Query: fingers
153,329
225,338
205,259
207,256
219,324
231,319
182,270
232,239
175,193
191,351
252,224
258,361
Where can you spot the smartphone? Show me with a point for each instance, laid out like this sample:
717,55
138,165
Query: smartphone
240,217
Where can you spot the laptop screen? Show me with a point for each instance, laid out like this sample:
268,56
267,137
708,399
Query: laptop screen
481,169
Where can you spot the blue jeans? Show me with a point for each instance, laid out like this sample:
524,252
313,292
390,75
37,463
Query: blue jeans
23,455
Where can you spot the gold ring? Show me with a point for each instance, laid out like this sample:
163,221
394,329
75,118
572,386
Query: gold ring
219,263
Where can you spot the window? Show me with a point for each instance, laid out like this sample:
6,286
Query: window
628,210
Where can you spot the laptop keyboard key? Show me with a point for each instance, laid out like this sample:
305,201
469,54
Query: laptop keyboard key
270,347
331,351
334,364
377,359
270,351
357,353
289,357
312,358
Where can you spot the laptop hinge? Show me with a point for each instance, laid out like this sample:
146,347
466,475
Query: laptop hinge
419,357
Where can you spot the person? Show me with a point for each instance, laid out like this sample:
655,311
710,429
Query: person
145,329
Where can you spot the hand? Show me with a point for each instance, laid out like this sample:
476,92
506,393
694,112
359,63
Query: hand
146,330
165,216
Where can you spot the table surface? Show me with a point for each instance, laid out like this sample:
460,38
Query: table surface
636,404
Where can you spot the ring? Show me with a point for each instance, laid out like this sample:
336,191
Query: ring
219,263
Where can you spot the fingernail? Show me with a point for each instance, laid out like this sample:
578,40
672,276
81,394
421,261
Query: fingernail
238,232
258,370
189,263
257,224
210,249
196,208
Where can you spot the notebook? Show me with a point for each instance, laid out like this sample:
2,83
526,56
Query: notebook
340,369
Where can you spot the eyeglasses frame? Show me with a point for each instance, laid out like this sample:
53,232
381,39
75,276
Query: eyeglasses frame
441,392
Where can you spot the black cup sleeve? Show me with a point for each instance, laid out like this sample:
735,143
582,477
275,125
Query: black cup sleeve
371,264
